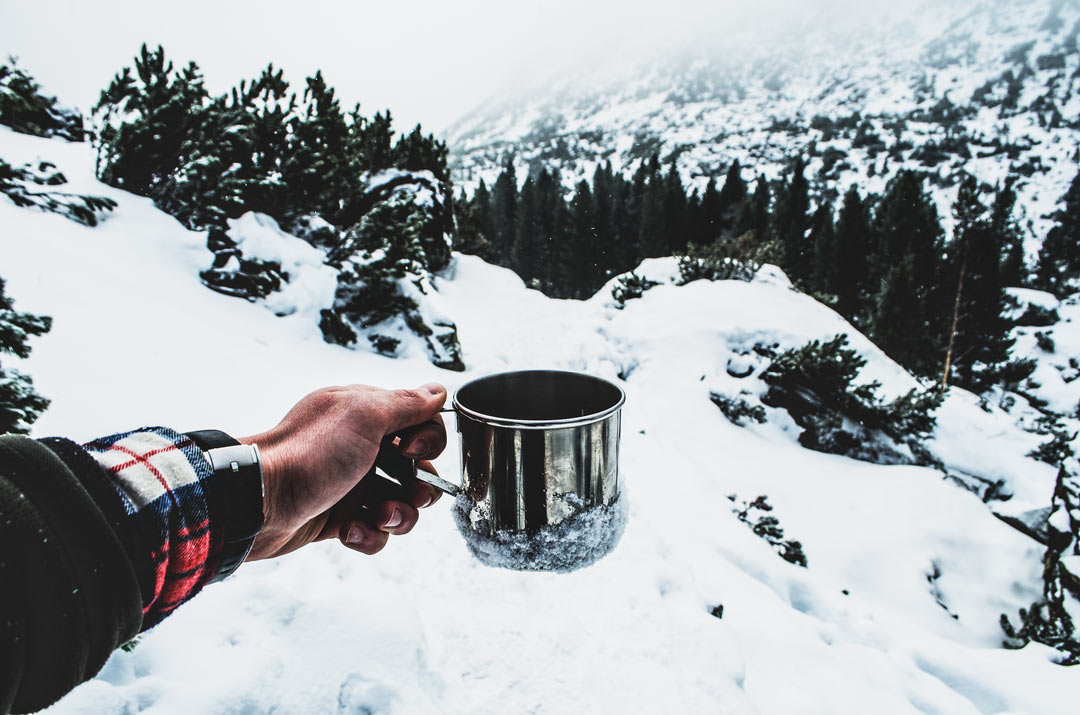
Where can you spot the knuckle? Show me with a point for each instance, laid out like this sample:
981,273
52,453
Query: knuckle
409,396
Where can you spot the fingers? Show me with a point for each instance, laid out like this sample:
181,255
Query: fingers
426,441
406,408
363,537
421,494
370,537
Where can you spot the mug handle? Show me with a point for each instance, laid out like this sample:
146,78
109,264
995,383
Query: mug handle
398,467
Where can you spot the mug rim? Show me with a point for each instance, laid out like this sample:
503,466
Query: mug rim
538,424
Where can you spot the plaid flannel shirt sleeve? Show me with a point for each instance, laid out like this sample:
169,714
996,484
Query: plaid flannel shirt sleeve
163,481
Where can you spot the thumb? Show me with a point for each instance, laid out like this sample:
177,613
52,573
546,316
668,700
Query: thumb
413,407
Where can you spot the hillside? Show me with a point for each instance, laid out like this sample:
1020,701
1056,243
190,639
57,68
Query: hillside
907,570
986,87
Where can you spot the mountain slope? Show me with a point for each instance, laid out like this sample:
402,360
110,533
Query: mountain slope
897,611
989,88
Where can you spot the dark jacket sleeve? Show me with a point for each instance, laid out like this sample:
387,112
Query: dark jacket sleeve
69,594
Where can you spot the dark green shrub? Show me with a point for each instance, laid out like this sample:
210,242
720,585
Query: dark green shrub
25,109
815,384
20,404
756,515
629,287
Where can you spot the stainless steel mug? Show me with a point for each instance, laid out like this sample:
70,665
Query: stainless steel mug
538,446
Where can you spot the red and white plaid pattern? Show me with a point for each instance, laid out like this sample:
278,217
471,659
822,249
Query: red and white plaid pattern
163,480
147,466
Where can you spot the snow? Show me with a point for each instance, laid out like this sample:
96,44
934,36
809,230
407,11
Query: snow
311,283
580,540
425,627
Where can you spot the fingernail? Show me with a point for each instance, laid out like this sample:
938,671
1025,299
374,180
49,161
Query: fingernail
418,448
355,537
395,520
434,388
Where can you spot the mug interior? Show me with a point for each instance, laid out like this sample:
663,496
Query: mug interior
539,395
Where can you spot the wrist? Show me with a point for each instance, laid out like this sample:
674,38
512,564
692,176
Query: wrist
234,495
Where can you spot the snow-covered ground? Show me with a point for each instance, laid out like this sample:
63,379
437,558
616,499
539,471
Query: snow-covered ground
897,612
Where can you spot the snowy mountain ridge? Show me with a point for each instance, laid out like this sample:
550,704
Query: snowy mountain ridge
896,611
984,87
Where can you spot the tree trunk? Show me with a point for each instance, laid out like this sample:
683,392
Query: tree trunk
955,320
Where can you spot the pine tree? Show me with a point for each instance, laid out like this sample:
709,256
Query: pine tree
653,233
550,231
579,264
852,233
711,220
979,341
1059,258
825,255
158,110
731,196
525,254
626,210
674,213
791,220
1008,236
25,109
504,199
604,203
20,405
755,213
909,313
316,174
470,215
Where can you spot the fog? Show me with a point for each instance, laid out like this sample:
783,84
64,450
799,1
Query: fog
428,61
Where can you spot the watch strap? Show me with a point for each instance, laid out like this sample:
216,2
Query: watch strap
235,495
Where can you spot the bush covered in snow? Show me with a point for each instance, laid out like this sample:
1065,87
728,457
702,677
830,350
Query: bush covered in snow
738,410
731,259
379,207
20,405
25,109
25,186
1051,619
756,515
815,383
629,287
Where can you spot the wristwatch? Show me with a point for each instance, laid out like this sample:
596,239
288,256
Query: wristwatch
235,494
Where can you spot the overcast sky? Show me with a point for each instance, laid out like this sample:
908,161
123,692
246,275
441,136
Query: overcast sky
429,61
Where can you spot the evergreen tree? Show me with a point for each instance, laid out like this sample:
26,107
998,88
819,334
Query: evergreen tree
626,210
652,231
790,222
674,213
825,255
550,232
852,233
1059,258
471,237
731,196
909,313
525,253
603,209
504,199
755,214
1008,236
25,109
161,110
979,339
711,219
20,405
579,264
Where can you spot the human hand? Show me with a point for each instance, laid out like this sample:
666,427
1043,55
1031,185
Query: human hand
315,459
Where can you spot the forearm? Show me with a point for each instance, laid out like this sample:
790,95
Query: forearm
97,543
